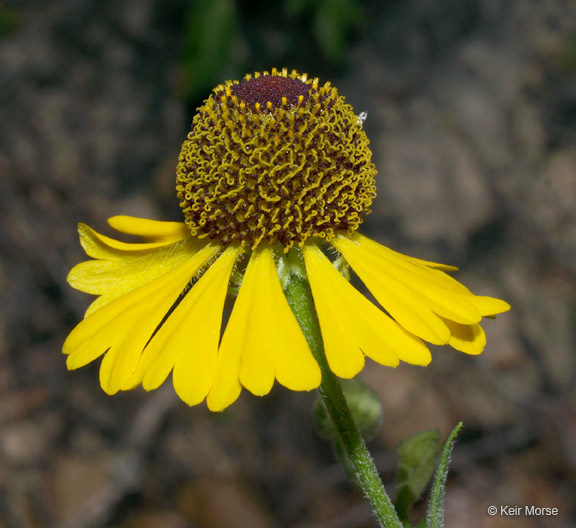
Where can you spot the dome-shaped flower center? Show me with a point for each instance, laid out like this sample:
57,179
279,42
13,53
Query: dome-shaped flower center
275,158
271,88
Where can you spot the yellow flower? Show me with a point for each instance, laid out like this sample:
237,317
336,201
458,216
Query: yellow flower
275,171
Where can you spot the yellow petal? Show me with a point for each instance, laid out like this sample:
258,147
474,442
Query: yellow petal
422,268
433,283
152,230
441,293
124,326
430,264
490,306
128,270
405,305
469,339
98,303
351,325
125,266
262,339
100,246
188,341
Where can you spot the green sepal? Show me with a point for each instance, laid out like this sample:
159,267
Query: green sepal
342,266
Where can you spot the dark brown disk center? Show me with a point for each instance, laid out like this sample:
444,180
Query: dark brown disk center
270,88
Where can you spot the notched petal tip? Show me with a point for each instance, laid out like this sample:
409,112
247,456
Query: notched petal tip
262,341
418,294
352,326
469,339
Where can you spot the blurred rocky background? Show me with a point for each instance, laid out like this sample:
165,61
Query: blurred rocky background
472,117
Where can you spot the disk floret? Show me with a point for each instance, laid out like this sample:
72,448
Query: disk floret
275,158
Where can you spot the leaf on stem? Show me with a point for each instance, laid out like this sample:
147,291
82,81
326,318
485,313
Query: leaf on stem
435,515
417,455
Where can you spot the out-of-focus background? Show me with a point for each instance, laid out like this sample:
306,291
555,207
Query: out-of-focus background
472,117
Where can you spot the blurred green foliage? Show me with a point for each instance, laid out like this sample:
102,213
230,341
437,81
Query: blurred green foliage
229,35
9,20
333,21
210,29
567,56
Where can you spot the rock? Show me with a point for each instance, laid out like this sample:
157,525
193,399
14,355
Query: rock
74,481
222,503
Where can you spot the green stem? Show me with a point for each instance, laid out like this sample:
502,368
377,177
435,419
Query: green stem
300,299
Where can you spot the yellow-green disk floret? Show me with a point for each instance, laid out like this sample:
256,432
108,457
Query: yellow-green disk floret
275,158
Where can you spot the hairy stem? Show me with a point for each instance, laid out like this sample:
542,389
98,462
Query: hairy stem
300,299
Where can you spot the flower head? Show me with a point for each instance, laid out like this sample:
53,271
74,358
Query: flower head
275,158
275,170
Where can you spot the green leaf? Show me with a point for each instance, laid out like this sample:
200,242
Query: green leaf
435,515
210,30
417,454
